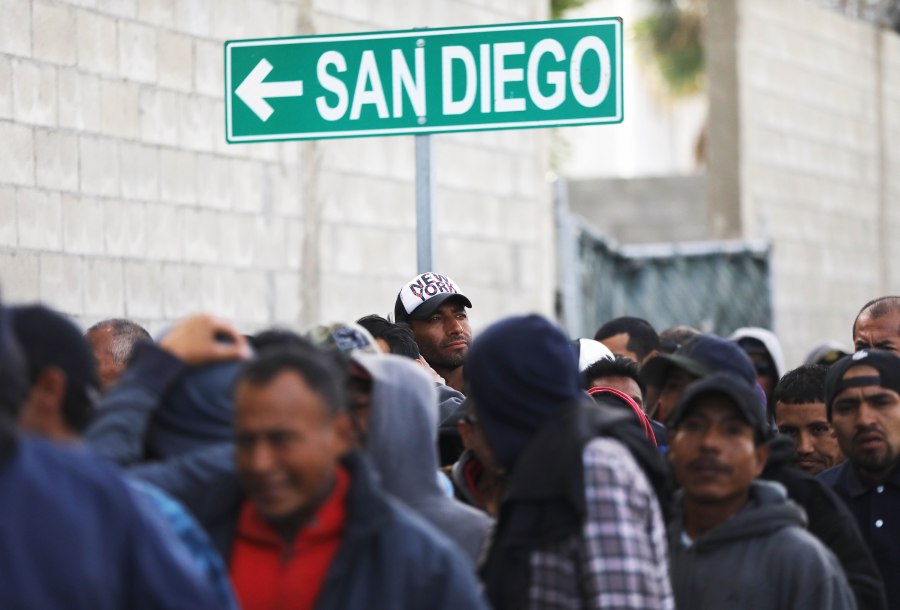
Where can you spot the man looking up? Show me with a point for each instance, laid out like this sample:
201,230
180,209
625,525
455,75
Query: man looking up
799,400
877,325
727,519
862,392
433,307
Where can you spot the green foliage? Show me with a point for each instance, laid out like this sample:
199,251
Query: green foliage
671,42
559,7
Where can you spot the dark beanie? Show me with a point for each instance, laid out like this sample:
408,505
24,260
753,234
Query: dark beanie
519,371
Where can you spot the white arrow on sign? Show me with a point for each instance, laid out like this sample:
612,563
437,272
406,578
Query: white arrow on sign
253,91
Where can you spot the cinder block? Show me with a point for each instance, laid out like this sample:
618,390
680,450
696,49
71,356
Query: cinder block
159,116
81,92
39,219
213,182
19,277
83,225
246,185
99,166
56,160
157,12
138,56
8,224
293,245
125,228
201,228
119,109
180,295
209,68
97,48
287,299
54,33
219,290
15,27
236,243
139,167
269,251
252,297
34,93
6,92
194,17
197,128
16,154
165,232
143,290
176,60
177,171
60,283
104,287
120,8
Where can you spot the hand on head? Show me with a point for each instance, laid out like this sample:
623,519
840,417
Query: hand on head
202,339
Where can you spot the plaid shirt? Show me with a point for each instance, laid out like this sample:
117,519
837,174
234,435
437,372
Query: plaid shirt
619,561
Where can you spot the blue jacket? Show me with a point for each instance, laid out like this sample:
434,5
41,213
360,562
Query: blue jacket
76,537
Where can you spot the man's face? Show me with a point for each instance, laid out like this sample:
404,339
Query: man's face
676,381
444,338
618,344
713,453
107,369
473,438
814,439
866,421
287,446
623,384
878,333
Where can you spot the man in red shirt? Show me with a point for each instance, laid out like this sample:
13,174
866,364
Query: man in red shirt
315,530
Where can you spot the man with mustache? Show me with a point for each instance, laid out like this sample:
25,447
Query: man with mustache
799,400
737,541
434,308
862,393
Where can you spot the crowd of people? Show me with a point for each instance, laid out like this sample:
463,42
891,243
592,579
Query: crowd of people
399,462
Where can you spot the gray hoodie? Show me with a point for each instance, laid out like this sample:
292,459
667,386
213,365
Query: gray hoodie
762,557
402,439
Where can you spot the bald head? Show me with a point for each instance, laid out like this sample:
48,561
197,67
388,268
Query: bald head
877,325
113,342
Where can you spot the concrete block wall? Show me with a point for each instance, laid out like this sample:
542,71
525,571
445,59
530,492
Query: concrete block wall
819,105
120,197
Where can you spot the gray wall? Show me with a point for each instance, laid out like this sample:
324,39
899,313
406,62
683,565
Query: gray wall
119,195
811,162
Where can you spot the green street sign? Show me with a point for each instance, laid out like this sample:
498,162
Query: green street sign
521,75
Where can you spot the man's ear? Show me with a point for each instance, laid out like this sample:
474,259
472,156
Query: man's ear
762,456
42,412
343,433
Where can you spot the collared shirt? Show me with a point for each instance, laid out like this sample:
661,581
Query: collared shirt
876,507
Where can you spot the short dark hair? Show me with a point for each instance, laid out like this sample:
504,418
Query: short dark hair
319,369
276,337
125,334
804,384
620,366
399,337
878,308
642,338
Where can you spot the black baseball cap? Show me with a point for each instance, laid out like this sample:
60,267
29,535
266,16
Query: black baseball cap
735,388
886,363
702,356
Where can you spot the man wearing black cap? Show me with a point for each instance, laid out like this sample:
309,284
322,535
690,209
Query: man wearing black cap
736,541
435,310
862,393
579,525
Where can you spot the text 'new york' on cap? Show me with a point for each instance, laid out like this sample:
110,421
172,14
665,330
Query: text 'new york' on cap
421,296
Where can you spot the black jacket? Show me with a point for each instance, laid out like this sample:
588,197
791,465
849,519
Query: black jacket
830,522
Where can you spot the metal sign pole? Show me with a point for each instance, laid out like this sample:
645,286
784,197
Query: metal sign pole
424,206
